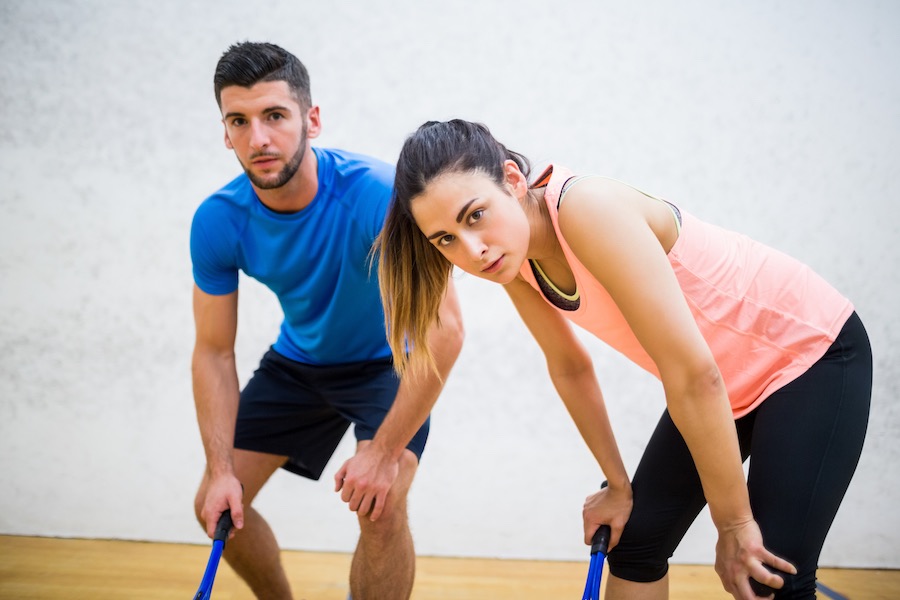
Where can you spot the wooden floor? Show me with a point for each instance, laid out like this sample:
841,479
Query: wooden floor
47,568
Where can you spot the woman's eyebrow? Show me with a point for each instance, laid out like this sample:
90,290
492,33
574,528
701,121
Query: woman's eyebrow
459,218
462,212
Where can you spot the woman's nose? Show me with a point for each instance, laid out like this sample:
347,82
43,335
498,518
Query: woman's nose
475,248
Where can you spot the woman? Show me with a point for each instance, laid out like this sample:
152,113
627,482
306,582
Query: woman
757,354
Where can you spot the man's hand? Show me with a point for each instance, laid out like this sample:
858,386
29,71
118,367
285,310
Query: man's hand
224,492
365,479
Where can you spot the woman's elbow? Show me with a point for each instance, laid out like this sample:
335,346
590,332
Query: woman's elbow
699,382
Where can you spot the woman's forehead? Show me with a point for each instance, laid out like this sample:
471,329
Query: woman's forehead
453,182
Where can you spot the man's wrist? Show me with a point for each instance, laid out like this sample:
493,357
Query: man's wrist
385,448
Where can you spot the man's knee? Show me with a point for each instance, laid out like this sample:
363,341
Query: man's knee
394,517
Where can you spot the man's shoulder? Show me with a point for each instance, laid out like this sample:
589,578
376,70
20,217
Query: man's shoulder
236,195
343,166
226,212
237,191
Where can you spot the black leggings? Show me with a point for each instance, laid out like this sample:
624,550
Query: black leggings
805,441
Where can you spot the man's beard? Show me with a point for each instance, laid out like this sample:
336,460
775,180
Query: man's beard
286,173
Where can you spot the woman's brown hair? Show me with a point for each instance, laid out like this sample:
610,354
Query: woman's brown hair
412,273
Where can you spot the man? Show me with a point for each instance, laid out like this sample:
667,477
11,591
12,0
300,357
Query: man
302,221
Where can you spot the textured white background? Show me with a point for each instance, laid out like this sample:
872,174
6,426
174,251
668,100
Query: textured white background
780,119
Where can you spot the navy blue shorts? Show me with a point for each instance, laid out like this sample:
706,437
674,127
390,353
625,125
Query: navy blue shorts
303,411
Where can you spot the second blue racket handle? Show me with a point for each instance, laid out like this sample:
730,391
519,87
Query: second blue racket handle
600,541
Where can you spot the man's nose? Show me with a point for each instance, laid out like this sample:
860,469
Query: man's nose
259,135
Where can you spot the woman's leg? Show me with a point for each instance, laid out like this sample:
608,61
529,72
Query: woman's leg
667,498
806,443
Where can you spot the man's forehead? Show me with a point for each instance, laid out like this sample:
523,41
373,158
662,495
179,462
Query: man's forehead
259,97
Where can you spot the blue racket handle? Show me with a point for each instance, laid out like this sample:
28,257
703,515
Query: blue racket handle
206,584
600,541
223,526
220,536
594,577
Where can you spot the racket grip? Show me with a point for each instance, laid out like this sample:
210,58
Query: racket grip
223,526
600,541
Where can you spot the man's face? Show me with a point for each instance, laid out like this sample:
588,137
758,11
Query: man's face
268,130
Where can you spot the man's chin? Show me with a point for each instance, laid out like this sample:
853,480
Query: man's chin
269,182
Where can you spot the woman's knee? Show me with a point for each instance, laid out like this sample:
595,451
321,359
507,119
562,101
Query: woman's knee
801,586
637,567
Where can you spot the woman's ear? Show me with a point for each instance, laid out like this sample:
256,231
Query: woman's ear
515,179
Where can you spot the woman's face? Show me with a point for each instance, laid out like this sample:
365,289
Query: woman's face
477,225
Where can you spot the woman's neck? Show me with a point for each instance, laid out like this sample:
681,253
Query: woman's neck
543,245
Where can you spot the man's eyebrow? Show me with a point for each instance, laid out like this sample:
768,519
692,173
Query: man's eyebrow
266,111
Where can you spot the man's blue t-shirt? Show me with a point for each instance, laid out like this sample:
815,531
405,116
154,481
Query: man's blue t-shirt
315,260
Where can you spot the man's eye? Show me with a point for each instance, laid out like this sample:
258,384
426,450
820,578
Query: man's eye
237,122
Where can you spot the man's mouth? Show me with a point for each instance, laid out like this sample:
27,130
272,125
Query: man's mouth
264,161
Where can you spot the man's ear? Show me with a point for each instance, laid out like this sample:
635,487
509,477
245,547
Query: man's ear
515,179
228,143
315,122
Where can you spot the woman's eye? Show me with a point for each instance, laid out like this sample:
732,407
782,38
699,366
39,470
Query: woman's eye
476,216
445,240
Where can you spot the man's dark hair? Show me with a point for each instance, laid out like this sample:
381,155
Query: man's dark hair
248,63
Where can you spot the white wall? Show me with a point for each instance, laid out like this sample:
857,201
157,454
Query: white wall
781,119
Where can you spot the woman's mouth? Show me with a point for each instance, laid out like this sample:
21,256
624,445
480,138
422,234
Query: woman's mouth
494,266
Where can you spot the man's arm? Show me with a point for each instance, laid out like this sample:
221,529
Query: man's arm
364,480
216,395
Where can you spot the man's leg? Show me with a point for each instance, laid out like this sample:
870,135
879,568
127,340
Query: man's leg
384,564
253,552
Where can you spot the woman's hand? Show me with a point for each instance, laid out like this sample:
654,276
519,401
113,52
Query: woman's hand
610,506
740,555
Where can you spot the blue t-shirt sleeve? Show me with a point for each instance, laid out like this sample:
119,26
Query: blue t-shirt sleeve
213,249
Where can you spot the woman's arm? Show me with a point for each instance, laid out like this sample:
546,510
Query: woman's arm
365,479
622,237
572,373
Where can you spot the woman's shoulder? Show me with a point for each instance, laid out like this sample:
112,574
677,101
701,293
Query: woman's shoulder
597,196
